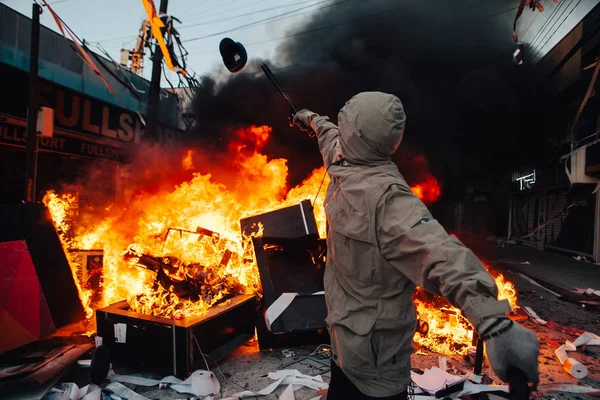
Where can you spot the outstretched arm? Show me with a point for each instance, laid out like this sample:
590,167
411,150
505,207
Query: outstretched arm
418,246
327,134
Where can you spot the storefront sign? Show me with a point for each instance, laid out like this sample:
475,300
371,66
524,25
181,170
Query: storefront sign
526,181
12,132
78,113
89,116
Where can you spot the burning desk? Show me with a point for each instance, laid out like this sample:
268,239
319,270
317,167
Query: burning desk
175,346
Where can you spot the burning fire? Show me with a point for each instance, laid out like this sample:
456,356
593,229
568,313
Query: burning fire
449,332
428,191
193,231
173,225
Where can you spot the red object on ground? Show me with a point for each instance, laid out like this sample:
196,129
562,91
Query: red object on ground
564,329
24,313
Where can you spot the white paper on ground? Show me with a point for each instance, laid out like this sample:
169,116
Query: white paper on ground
282,377
199,383
71,391
280,305
288,393
586,338
124,392
534,316
473,388
434,379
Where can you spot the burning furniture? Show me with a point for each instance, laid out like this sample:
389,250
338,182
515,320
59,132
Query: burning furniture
291,263
175,346
291,270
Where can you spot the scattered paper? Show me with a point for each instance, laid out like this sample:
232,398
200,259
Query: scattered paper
434,379
532,314
199,383
587,291
124,392
285,377
70,391
586,338
471,388
288,393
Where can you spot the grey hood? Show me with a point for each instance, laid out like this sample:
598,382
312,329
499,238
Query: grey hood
371,127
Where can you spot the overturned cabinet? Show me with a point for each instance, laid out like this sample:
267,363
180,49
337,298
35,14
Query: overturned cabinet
291,263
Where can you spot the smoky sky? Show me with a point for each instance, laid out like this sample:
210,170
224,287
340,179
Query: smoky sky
449,61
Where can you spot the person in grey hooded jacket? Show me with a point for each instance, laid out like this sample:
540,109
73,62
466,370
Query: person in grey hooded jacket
382,242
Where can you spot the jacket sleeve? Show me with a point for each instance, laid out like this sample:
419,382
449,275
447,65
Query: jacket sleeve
418,246
327,133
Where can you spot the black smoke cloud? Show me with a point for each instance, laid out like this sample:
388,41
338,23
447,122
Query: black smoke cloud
448,61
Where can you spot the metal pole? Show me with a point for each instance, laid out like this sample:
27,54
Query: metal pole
510,216
478,357
32,112
154,92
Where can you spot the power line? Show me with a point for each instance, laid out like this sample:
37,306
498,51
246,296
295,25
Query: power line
276,17
551,20
194,18
342,23
532,21
544,25
219,5
247,14
195,5
556,30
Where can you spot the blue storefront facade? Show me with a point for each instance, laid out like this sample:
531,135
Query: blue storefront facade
96,132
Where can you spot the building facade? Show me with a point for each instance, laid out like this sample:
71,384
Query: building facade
95,131
556,205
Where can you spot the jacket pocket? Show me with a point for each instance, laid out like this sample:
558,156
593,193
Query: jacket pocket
354,352
354,250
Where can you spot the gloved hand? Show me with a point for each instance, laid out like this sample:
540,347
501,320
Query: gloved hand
508,344
303,118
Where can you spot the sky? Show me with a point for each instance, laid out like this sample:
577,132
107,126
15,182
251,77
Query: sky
114,24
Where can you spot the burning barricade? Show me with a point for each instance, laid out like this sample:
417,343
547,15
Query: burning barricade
176,254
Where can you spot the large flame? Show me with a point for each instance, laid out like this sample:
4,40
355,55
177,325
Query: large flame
165,225
449,332
142,226
428,191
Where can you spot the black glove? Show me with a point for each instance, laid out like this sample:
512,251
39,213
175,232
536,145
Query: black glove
508,344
